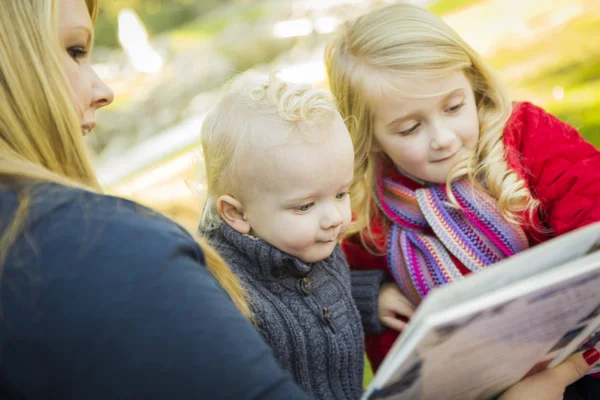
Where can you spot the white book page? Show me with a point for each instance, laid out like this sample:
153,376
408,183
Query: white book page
552,254
528,263
478,349
582,337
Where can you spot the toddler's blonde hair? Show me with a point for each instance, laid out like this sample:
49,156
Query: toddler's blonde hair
237,131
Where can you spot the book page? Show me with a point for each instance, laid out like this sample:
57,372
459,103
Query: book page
496,348
552,254
539,259
587,335
482,353
406,382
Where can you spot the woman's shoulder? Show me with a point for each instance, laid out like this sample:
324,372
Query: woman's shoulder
82,209
90,268
94,226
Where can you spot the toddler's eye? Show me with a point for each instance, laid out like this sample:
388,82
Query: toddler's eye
341,195
305,207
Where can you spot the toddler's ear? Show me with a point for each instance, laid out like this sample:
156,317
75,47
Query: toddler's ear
232,212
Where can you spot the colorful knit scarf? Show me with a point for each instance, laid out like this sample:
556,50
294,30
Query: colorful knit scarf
477,234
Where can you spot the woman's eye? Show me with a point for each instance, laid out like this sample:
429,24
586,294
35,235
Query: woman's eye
76,52
412,129
305,207
341,195
455,108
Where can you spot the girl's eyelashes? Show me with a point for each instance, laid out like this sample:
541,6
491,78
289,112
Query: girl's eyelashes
410,130
455,108
341,195
449,110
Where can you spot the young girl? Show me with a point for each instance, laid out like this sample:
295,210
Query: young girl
450,176
279,163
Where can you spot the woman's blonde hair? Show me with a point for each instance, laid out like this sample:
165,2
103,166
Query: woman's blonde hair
40,132
240,128
407,41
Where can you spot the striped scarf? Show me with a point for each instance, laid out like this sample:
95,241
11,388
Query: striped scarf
477,234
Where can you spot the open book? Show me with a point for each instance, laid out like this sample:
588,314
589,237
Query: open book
477,337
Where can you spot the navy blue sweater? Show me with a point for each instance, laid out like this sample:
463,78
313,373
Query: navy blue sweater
102,299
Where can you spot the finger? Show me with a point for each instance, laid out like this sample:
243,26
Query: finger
574,367
394,323
407,303
404,308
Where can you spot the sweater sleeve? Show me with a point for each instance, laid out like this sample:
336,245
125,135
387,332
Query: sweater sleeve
562,168
116,303
365,292
368,272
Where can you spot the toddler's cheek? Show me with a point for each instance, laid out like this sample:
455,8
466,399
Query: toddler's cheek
302,240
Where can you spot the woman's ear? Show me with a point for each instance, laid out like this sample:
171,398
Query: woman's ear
232,212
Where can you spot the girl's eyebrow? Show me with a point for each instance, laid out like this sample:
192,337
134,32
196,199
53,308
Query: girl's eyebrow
447,96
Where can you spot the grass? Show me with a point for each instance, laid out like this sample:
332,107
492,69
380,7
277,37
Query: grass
368,376
442,7
568,63
210,25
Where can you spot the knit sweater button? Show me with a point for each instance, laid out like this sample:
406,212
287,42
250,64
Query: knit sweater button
306,286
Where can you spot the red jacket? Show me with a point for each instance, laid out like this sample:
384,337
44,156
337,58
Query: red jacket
561,170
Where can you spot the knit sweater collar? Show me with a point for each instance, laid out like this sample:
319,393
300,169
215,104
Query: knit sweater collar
265,258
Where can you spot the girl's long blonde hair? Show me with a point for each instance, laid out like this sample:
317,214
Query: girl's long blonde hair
40,132
403,40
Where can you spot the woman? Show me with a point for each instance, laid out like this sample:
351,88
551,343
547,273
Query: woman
100,297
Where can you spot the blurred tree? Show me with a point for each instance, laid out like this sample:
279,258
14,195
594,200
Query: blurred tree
157,15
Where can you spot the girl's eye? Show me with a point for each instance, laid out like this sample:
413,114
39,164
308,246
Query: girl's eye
306,207
76,52
407,132
341,195
455,108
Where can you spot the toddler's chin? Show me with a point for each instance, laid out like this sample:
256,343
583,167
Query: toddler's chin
318,254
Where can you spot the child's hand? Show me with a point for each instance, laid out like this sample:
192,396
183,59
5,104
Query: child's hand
391,304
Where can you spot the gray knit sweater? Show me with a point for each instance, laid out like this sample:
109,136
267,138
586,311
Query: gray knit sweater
304,312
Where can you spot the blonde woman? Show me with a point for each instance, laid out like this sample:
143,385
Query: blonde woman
101,299
450,176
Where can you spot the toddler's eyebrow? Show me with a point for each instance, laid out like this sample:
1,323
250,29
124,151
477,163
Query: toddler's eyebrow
300,199
347,183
